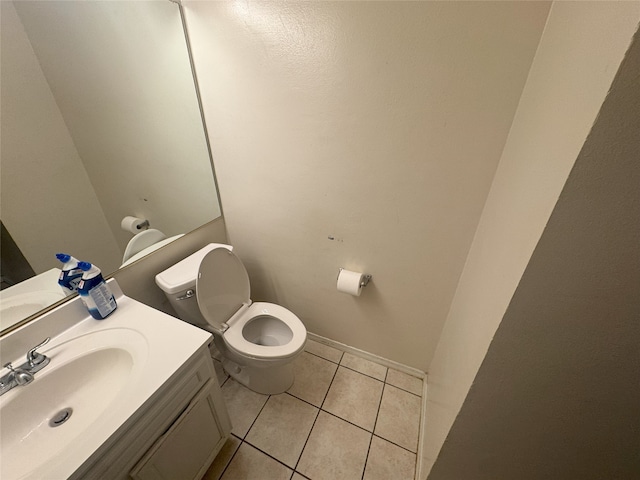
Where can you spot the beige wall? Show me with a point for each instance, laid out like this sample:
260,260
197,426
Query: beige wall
579,53
557,394
42,175
378,123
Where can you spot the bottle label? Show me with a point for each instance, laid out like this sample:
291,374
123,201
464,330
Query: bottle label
98,299
70,280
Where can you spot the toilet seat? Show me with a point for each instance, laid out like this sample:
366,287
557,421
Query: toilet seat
223,293
235,339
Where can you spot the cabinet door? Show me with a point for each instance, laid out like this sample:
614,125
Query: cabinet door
187,449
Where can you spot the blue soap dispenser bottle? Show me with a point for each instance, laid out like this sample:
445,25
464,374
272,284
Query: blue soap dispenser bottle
70,275
95,293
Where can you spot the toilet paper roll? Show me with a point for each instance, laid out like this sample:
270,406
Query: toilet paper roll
134,224
350,282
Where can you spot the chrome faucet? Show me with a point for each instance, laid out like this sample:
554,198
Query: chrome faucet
23,374
18,375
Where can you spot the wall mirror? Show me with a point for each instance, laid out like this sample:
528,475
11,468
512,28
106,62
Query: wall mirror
100,120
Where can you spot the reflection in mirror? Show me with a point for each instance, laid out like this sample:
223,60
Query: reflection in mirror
100,120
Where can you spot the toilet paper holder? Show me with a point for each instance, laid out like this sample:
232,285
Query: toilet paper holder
365,278
134,224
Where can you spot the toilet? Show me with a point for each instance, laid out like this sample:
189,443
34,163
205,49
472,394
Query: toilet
258,341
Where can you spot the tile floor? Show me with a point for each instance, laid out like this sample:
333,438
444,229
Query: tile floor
344,418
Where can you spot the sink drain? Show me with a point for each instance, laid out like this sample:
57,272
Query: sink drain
60,417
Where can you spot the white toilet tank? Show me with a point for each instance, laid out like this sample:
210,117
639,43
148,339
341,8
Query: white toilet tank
179,285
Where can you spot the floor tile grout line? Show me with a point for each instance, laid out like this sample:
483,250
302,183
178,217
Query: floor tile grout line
403,389
293,470
361,428
386,369
374,426
330,383
256,419
303,400
316,419
361,373
333,414
394,443
231,458
386,375
349,368
303,476
376,422
378,412
330,413
269,455
324,358
337,416
351,423
307,440
366,459
347,421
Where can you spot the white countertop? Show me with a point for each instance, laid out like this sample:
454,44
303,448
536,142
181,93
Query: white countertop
159,345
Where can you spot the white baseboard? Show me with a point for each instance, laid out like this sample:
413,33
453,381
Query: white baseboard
423,419
414,372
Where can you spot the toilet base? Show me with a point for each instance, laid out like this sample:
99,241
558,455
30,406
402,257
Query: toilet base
266,380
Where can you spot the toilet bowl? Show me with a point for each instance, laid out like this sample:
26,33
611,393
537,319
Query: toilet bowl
258,341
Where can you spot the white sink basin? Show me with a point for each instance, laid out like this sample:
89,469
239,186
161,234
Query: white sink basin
84,377
14,309
83,386
26,298
102,371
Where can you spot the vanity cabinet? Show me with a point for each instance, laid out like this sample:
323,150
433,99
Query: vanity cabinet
176,436
189,446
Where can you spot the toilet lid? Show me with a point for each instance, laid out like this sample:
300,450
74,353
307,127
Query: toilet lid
222,286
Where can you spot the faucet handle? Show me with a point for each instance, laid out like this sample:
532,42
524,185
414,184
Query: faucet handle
34,358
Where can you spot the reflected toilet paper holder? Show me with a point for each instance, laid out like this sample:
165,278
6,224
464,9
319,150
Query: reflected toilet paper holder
134,225
144,225
365,278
